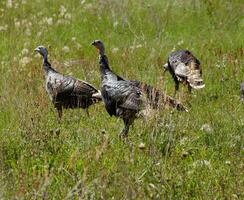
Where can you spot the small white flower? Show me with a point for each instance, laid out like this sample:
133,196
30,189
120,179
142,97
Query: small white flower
135,46
25,60
16,5
218,65
62,10
142,145
3,28
17,24
201,163
9,4
180,42
24,51
115,24
139,46
49,21
73,39
66,49
115,49
206,128
67,16
227,162
29,24
184,140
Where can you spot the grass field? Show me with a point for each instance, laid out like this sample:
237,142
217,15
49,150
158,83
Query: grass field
195,155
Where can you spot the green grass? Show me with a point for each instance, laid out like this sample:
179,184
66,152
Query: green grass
83,157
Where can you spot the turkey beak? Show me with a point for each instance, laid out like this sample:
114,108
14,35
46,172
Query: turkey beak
94,44
36,50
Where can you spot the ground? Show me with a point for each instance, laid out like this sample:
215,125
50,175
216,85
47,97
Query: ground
168,155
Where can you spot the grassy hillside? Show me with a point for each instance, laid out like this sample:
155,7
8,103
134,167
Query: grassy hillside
195,155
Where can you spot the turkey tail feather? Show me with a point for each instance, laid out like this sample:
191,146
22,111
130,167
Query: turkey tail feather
156,97
195,76
96,97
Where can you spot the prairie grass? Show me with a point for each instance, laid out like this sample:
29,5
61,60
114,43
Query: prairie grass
195,155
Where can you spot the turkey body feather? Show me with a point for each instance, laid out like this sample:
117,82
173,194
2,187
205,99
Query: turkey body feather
185,67
124,98
121,94
66,91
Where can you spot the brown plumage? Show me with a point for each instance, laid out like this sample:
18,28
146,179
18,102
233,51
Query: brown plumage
185,67
155,97
66,91
125,98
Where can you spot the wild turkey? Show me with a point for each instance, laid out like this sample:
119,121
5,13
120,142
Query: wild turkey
65,91
185,67
125,98
242,91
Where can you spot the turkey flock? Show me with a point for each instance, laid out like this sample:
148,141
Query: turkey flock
125,99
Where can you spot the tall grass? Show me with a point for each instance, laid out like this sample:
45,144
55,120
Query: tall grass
197,155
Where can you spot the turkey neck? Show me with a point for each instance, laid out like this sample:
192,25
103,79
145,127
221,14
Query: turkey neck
104,66
46,65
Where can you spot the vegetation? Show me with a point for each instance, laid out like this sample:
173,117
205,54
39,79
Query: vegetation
170,154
